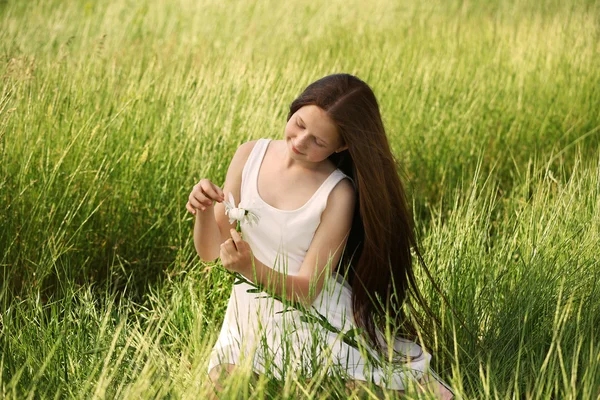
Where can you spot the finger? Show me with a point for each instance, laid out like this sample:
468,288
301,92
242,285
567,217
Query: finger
190,208
209,191
223,250
212,194
225,261
230,245
237,239
199,200
199,192
194,203
219,192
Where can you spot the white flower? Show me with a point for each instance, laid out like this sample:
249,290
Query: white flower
236,213
239,214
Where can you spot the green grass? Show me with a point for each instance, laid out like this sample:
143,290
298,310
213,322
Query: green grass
111,111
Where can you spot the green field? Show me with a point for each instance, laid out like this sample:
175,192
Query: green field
110,112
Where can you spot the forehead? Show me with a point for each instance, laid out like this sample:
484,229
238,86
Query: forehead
318,122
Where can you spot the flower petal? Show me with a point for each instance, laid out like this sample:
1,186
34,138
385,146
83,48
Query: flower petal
237,213
251,218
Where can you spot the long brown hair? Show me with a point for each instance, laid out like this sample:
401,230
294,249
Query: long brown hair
377,259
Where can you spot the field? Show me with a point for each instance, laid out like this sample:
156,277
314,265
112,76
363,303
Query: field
110,112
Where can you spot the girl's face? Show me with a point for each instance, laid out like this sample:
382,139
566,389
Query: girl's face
311,135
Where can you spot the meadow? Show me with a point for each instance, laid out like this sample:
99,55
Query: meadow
110,112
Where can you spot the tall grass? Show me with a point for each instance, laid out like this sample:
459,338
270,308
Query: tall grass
111,111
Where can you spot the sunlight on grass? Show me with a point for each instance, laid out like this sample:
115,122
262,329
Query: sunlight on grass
111,111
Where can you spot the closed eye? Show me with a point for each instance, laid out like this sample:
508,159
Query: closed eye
314,138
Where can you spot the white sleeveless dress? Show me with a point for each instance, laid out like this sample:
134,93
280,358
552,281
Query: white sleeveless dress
256,330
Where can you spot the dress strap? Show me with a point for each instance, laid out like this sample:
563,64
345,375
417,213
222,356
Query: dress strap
250,171
250,178
330,183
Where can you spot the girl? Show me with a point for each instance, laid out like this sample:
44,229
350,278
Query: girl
325,224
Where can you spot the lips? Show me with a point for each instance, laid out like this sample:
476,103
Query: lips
295,150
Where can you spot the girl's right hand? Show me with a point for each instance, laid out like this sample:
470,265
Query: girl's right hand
202,196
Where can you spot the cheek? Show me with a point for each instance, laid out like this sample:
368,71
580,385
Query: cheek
320,154
290,130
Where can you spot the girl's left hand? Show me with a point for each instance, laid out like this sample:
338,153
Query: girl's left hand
236,255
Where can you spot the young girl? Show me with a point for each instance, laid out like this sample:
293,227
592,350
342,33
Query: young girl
325,224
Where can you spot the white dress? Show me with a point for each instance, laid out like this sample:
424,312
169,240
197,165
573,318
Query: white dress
256,331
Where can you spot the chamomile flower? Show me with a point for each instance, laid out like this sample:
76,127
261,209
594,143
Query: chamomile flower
239,214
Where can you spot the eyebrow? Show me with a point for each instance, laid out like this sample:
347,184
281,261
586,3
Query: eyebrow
324,142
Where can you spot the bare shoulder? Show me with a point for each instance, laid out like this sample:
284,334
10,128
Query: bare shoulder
247,147
342,195
340,205
244,150
241,156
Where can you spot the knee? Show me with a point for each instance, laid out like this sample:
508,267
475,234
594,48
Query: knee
220,372
429,385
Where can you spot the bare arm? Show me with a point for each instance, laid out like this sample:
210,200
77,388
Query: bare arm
211,225
206,233
321,258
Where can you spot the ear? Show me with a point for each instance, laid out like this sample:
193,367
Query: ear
345,147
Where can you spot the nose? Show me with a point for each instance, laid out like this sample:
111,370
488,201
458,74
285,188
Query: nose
301,141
